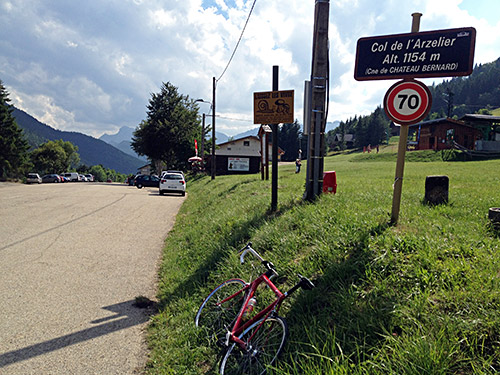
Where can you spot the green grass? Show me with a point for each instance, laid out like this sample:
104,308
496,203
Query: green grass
422,297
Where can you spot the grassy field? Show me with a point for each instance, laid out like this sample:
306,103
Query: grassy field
422,297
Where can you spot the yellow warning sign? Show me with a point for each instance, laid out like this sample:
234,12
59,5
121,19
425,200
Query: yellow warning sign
273,107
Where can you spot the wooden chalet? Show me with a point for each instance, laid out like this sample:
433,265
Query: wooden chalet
470,132
240,156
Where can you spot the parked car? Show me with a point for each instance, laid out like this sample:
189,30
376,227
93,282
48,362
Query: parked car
51,178
130,181
89,177
81,177
172,182
172,171
33,178
145,180
72,176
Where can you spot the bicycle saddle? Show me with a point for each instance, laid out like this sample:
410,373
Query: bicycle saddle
305,283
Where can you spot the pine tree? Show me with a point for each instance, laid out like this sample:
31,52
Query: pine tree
168,133
13,146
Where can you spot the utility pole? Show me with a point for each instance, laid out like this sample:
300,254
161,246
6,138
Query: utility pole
319,84
213,131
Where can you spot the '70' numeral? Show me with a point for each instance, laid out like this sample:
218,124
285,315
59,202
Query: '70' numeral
413,101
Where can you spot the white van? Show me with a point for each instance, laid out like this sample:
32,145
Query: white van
72,176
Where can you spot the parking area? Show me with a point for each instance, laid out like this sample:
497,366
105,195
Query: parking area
73,258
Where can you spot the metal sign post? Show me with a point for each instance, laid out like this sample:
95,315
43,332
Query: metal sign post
273,107
274,128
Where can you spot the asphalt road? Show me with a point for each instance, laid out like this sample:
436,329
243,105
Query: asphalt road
73,258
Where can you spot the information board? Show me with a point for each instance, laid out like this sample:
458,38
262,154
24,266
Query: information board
238,164
273,107
440,53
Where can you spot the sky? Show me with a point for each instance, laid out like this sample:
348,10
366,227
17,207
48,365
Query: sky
91,66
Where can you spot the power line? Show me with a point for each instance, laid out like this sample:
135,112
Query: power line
239,40
234,119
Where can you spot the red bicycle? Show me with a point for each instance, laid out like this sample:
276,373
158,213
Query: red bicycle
253,342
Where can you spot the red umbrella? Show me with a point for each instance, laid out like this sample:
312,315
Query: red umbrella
194,158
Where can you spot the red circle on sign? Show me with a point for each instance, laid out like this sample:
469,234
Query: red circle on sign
407,102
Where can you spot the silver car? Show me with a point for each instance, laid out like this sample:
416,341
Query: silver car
33,178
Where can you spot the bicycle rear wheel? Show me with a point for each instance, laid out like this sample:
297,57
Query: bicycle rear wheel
263,349
219,318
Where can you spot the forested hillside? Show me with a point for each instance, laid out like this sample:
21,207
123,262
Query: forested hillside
92,151
468,94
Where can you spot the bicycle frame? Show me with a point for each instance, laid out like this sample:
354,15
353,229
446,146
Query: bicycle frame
240,325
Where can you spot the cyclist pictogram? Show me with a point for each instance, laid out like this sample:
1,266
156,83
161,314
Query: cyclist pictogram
281,106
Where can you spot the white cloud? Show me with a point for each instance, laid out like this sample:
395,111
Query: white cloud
162,18
91,66
45,110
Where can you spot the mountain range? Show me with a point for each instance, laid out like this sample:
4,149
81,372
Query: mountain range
92,151
122,141
112,151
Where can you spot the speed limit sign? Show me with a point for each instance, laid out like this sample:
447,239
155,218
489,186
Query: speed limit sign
407,102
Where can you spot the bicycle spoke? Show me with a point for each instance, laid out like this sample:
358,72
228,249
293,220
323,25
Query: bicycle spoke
264,344
217,317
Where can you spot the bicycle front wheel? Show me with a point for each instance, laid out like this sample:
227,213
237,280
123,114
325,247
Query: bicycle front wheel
264,340
217,317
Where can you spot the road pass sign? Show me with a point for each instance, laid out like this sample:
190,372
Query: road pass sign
407,102
273,107
440,53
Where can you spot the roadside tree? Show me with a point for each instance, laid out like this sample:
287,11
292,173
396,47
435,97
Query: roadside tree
55,157
13,146
98,172
167,135
289,140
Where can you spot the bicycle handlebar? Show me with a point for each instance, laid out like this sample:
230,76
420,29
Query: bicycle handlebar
304,282
248,249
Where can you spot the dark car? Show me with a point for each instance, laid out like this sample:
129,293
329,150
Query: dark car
145,180
51,178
